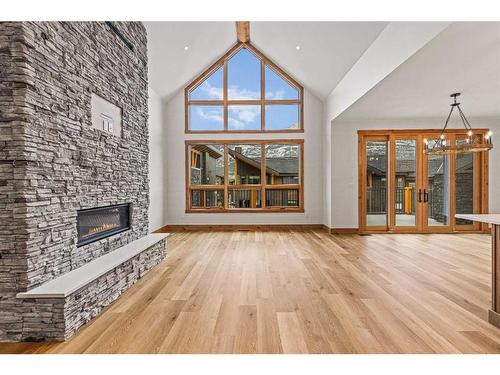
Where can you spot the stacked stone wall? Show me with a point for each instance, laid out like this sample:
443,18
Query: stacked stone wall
52,161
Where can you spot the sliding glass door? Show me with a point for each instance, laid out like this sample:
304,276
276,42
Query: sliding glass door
468,186
376,154
436,192
404,182
402,189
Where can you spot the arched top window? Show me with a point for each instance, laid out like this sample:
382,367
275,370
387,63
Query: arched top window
244,92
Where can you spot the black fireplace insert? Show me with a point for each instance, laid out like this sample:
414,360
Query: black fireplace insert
94,224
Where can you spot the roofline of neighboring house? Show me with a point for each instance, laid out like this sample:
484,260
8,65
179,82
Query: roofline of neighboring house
252,162
237,155
210,149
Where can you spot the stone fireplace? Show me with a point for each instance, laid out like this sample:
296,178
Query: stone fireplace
94,224
58,172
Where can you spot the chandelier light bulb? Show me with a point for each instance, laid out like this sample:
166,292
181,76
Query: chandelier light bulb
441,146
488,137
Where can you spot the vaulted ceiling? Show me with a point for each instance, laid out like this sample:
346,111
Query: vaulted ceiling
464,58
327,50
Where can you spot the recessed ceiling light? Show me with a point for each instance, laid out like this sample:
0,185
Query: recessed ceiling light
186,48
297,47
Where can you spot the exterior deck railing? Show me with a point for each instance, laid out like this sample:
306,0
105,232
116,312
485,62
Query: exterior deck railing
282,198
376,200
245,198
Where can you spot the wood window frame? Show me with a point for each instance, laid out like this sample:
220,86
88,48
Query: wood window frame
225,102
263,186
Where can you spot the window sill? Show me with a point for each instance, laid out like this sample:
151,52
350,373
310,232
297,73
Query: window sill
298,131
243,210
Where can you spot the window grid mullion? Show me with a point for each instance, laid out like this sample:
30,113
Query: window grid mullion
262,96
263,177
244,102
224,97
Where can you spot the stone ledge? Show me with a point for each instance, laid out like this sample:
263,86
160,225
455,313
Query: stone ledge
55,314
70,282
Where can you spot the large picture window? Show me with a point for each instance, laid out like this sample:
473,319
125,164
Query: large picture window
232,176
244,92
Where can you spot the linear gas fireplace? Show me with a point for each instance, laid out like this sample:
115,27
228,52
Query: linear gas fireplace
97,223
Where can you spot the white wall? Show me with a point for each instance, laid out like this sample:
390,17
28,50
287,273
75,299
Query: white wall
344,162
157,142
327,168
175,169
395,44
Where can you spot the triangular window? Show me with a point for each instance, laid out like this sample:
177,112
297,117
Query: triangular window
244,92
211,88
277,88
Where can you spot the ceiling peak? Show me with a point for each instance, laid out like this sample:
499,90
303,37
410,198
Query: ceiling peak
243,31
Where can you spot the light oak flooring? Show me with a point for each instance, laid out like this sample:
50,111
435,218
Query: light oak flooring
301,292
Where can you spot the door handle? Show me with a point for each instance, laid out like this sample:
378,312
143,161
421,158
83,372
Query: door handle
426,196
419,195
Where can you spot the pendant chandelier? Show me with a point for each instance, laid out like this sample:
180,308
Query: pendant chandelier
473,143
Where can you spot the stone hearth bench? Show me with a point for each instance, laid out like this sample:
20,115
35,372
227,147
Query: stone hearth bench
61,306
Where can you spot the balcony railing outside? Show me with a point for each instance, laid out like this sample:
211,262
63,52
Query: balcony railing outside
207,198
376,199
282,198
244,198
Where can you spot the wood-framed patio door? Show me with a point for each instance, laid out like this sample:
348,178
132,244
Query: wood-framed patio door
470,188
437,189
405,164
403,190
373,186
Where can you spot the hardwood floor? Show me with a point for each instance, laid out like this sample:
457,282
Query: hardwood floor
301,292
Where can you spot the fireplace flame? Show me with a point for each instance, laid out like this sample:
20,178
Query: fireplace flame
101,228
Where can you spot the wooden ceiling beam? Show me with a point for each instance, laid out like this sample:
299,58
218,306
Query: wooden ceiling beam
243,31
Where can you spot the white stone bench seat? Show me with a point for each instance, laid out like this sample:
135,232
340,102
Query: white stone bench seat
70,282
